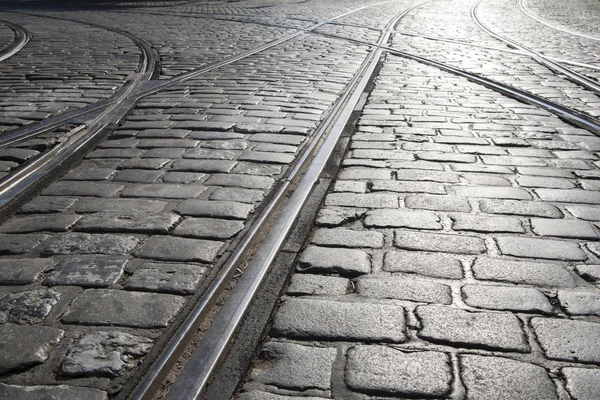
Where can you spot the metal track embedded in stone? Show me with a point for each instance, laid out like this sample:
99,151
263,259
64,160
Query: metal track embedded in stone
22,37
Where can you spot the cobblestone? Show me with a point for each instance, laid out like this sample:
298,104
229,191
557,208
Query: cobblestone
293,366
507,298
104,354
428,264
582,383
121,308
580,303
418,290
532,273
439,242
569,340
320,319
383,370
56,392
494,331
334,260
540,248
23,347
497,378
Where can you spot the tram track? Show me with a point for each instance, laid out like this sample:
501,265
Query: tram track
22,37
573,76
24,181
196,375
279,215
524,10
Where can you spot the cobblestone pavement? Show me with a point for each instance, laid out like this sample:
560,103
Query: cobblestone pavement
456,255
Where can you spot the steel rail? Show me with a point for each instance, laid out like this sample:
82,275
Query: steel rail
563,112
577,78
22,37
574,116
146,70
196,374
544,22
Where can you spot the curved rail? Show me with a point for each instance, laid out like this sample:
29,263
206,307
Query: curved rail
548,24
145,88
22,37
576,117
463,43
197,372
540,58
147,68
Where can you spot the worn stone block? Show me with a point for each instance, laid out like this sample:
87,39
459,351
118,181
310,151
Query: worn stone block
237,194
86,272
419,290
582,383
179,249
56,392
580,303
540,248
569,195
242,181
123,308
502,378
342,237
522,272
436,265
28,307
388,371
408,187
480,223
568,340
308,284
493,192
83,188
167,278
334,320
128,222
564,228
19,244
104,354
208,228
364,200
584,212
214,209
514,207
452,326
506,298
402,218
22,271
23,347
293,366
47,205
120,206
439,242
349,262
163,190
437,203
85,243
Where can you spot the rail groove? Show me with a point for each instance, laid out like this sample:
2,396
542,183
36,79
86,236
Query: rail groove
575,77
22,37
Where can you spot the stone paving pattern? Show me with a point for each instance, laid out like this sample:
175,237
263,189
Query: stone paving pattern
103,261
456,256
